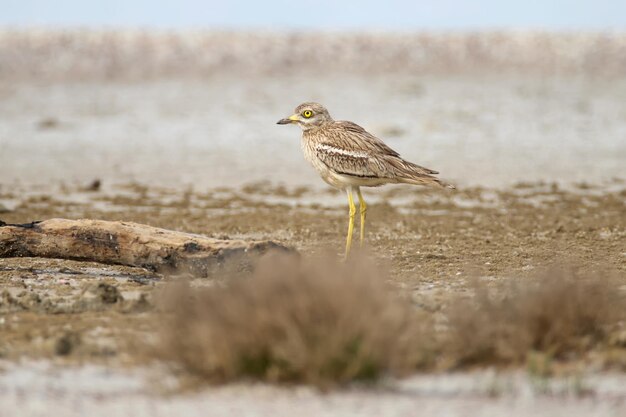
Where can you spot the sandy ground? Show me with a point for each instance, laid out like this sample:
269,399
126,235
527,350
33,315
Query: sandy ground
35,388
83,324
538,161
489,131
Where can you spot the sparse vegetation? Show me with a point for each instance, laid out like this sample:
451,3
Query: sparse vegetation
319,322
327,323
560,314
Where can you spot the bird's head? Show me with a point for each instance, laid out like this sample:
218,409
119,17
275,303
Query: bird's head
308,116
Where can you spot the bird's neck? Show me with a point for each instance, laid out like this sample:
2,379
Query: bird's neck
313,128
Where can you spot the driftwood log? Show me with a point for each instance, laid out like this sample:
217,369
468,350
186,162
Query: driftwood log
125,243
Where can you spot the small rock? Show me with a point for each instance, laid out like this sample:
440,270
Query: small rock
390,131
6,299
48,123
107,293
94,185
66,343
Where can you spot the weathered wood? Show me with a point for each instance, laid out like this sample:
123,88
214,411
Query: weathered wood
126,243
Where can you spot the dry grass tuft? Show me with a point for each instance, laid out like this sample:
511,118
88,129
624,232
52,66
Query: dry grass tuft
327,323
560,314
320,322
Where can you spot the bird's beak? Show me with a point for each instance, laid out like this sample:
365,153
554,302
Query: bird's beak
291,119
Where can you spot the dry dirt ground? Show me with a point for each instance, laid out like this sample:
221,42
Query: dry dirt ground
56,312
174,110
85,323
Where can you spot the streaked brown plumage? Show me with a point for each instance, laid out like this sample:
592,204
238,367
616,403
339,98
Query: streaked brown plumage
348,157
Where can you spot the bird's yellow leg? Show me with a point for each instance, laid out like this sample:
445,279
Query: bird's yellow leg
363,210
351,222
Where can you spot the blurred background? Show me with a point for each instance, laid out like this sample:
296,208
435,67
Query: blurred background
187,93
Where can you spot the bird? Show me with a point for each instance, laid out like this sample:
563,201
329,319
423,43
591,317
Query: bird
348,157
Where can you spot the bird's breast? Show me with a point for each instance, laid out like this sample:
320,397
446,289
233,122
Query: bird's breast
308,148
308,143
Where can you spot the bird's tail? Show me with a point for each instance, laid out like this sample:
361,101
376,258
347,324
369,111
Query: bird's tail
418,175
427,180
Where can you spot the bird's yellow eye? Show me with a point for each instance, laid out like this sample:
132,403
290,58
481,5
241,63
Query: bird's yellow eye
307,113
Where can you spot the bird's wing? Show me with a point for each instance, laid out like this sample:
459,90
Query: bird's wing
357,137
354,151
